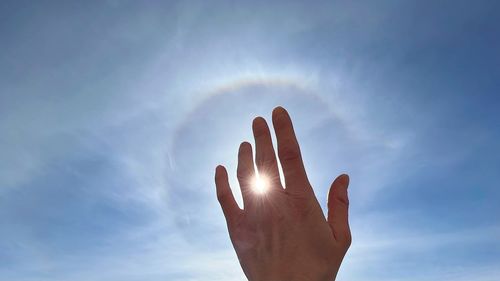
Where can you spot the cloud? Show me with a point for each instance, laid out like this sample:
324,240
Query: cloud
113,118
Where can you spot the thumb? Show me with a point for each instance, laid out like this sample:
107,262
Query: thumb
338,205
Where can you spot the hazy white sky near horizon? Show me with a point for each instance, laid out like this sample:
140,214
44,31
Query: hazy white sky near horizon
114,114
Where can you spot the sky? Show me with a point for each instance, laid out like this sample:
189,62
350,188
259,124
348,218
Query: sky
114,114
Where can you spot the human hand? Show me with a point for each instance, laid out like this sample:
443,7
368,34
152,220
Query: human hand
282,234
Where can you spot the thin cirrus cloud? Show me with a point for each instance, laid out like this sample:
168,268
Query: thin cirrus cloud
115,114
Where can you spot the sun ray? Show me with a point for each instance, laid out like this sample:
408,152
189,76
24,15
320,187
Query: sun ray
260,184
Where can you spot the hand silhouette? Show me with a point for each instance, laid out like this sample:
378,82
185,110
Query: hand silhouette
282,234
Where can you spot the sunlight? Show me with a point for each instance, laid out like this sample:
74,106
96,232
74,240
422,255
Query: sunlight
260,184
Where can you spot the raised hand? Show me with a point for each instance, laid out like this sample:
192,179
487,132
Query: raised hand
282,234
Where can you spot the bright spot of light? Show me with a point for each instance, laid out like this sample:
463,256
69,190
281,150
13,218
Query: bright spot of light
260,184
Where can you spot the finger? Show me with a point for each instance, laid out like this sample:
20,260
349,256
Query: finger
289,152
225,195
338,205
246,172
265,157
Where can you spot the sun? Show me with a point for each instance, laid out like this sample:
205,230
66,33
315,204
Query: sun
260,184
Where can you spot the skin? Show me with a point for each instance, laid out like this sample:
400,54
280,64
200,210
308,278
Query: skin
282,234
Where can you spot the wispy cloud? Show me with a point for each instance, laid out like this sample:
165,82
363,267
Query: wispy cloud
113,117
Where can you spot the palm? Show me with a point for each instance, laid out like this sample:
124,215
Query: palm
282,234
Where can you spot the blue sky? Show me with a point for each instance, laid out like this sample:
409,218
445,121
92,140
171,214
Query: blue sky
114,114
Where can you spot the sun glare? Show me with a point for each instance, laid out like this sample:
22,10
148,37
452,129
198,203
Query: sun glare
260,184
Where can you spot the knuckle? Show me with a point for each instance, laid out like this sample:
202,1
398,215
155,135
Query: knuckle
243,178
220,197
342,200
266,161
240,174
260,131
347,240
289,152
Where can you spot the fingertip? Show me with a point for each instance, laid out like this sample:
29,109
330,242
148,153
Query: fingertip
343,180
338,188
258,120
259,126
279,110
220,171
245,146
